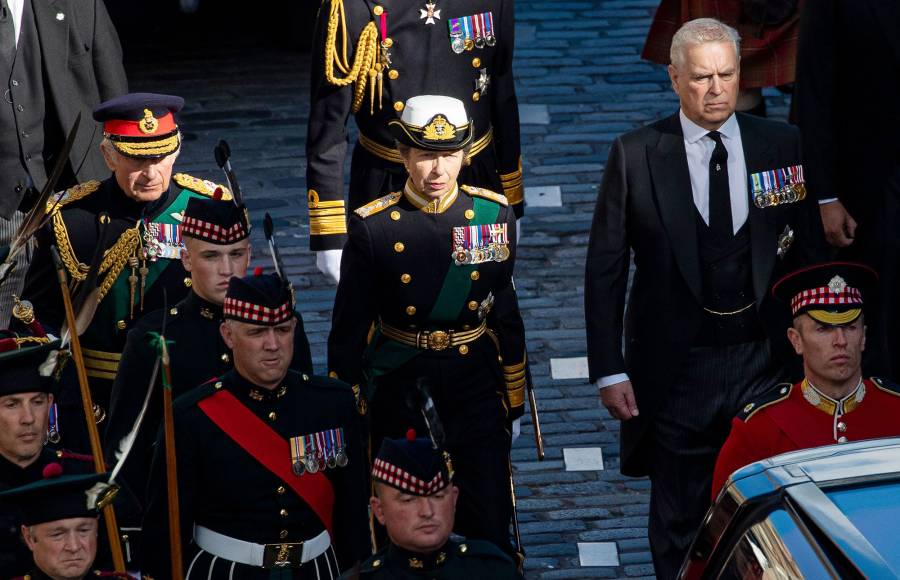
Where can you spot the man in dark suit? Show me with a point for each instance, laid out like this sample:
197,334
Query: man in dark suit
853,164
713,206
57,59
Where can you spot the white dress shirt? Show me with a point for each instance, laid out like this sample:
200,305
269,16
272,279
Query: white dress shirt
699,148
16,6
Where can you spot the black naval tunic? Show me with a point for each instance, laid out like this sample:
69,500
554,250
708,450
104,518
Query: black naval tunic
197,355
422,62
468,560
392,272
224,488
15,557
75,229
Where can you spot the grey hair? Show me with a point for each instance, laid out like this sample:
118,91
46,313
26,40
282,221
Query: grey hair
701,31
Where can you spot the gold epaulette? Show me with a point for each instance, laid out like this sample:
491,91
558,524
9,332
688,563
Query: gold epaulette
72,194
777,394
886,386
486,194
380,204
201,186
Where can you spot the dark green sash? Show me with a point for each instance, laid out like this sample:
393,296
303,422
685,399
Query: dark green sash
384,356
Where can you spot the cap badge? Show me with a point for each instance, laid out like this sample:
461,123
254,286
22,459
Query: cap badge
837,285
439,129
148,125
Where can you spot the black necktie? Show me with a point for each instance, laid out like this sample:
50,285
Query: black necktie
7,36
719,197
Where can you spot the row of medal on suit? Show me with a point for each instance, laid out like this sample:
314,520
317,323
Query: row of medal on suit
318,451
468,32
480,243
778,186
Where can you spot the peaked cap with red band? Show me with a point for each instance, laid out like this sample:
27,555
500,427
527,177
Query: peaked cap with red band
264,300
141,125
215,221
831,293
411,465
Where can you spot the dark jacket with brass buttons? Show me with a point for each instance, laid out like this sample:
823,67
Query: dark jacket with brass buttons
422,62
471,560
392,271
197,354
224,488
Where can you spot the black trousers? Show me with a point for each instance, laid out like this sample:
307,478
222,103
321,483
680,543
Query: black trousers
468,395
691,426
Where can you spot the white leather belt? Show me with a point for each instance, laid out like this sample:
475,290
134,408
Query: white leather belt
288,555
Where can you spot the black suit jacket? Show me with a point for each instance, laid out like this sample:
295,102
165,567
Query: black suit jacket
848,153
645,206
82,61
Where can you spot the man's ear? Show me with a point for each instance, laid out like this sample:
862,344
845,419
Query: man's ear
377,509
26,535
227,334
111,160
186,258
796,340
673,77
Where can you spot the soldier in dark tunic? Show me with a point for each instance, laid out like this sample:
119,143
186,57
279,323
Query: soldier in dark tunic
431,267
133,218
60,523
25,402
415,500
216,248
271,471
369,57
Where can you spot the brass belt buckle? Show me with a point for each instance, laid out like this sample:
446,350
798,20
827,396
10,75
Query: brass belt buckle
438,340
283,555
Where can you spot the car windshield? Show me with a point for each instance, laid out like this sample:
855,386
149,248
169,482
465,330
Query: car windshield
875,511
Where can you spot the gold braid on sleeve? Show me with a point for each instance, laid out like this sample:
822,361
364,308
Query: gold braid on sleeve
365,59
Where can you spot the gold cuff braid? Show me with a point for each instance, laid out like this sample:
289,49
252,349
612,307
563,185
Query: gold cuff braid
513,187
514,376
326,217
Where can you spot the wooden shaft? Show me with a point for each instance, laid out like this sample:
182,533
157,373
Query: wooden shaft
515,513
171,466
109,516
536,423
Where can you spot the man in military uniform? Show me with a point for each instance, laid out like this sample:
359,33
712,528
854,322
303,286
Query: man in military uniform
25,402
368,58
415,500
132,220
59,523
833,403
431,266
271,472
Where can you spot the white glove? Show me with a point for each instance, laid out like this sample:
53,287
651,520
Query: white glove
518,230
516,429
329,263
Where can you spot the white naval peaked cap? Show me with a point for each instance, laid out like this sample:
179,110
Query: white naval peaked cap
420,110
433,123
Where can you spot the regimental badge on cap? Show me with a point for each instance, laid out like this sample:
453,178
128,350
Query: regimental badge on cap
479,244
778,186
319,451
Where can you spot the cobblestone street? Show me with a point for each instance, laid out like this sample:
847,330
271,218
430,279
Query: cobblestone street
580,84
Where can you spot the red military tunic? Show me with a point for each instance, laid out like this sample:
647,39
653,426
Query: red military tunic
798,416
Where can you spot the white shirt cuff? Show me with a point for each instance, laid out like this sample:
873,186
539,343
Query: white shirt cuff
827,200
608,380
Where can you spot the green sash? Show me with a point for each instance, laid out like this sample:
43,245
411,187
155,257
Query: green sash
384,356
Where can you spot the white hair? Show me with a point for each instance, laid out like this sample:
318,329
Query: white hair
701,31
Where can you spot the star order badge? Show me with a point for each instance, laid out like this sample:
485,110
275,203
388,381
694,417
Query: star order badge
429,13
